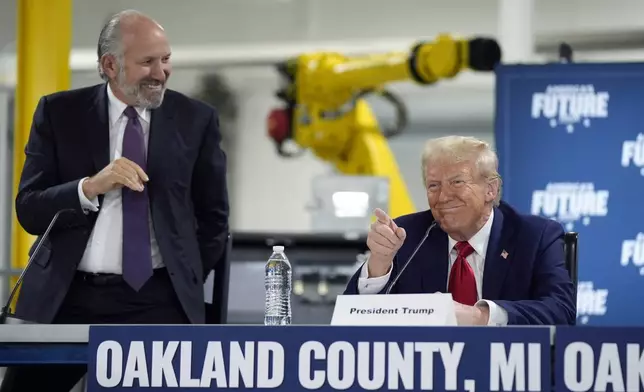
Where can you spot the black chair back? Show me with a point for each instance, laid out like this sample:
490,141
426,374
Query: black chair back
570,253
217,311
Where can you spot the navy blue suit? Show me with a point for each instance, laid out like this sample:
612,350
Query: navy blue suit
69,140
531,283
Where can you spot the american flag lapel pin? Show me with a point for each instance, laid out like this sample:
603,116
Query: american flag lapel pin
504,254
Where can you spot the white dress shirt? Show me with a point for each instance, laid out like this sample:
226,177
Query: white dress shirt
498,315
103,253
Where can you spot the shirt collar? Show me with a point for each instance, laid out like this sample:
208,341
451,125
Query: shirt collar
480,240
117,107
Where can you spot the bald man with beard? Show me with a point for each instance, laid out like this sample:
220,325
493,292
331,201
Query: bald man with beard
140,172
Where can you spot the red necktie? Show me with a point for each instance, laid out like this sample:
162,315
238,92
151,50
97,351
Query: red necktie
462,283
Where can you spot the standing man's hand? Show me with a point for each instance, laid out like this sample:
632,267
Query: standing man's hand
384,240
119,173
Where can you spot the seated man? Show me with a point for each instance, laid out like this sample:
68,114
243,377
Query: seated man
500,266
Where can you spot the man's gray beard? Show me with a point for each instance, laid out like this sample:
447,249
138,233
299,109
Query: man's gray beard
133,92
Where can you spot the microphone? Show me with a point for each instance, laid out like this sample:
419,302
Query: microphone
6,317
422,241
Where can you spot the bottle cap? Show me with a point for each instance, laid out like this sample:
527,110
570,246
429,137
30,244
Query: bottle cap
278,248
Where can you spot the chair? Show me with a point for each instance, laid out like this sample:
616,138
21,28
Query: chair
570,254
217,311
570,257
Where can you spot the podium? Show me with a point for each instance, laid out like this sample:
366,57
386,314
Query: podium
331,358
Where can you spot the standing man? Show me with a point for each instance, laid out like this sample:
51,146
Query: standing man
140,171
501,267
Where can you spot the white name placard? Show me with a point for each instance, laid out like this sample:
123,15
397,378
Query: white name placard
394,310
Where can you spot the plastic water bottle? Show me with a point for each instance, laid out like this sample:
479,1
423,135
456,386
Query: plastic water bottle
277,282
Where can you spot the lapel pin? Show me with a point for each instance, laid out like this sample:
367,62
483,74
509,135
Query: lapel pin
504,254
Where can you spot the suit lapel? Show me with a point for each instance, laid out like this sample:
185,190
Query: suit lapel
435,260
498,258
162,140
98,134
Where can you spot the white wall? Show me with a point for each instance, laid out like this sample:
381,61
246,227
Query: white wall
268,193
193,22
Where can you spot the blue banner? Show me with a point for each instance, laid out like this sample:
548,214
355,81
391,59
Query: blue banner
593,359
570,141
296,358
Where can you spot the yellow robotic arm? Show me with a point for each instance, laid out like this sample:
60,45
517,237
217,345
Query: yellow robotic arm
326,112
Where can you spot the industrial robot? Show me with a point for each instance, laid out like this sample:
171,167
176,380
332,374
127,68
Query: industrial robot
325,108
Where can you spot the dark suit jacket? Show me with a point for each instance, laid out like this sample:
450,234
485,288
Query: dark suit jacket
69,140
531,284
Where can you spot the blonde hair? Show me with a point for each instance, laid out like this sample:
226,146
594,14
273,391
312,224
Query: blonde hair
454,149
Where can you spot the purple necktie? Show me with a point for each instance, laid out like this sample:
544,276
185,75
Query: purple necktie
137,258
